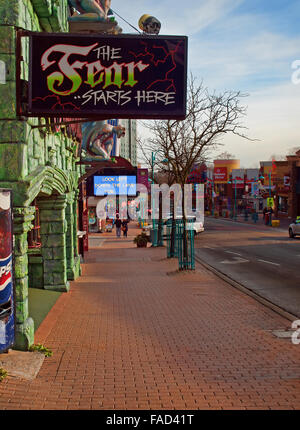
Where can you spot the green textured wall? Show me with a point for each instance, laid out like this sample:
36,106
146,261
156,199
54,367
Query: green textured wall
36,164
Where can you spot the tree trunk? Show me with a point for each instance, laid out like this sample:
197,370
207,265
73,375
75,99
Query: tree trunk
184,238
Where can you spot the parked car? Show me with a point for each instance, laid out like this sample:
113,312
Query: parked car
294,228
197,226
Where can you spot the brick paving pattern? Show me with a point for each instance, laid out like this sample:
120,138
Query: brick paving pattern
134,334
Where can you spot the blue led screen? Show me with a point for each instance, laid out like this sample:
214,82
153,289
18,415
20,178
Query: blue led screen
114,185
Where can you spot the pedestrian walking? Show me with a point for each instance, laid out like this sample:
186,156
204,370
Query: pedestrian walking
265,215
118,224
125,227
270,213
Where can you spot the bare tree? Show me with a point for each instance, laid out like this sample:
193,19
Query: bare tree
294,150
163,173
187,142
225,156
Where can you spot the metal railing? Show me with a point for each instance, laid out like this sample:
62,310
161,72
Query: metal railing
182,244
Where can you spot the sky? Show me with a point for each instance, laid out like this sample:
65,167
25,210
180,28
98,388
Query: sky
240,45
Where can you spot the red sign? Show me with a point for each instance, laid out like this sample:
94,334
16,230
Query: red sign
220,174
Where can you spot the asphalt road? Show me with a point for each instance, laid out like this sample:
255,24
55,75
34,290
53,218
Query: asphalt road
262,259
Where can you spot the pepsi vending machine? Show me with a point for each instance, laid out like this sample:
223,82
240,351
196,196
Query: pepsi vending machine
7,314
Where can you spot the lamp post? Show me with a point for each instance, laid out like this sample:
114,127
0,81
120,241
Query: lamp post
270,195
235,208
212,196
155,232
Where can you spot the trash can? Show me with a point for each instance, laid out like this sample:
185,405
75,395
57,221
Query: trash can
185,238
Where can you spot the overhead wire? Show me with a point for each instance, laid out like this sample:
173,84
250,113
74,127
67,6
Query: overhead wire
132,26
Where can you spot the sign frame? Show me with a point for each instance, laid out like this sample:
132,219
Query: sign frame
121,113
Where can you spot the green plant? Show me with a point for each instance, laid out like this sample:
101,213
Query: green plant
141,240
41,348
3,374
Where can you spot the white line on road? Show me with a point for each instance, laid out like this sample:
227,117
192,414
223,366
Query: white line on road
209,247
237,260
269,262
234,253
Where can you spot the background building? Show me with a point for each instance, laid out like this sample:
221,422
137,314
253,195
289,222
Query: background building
224,192
128,145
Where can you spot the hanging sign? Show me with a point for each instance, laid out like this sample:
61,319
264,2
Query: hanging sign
107,76
238,178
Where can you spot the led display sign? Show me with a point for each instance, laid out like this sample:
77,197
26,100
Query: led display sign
114,185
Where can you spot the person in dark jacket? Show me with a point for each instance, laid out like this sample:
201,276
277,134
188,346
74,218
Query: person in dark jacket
118,224
125,227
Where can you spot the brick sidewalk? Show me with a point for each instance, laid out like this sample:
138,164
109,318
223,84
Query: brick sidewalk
134,334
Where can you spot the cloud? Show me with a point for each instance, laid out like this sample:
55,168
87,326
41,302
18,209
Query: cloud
176,17
246,62
239,45
273,118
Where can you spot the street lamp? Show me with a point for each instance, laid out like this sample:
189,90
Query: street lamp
213,197
235,209
153,155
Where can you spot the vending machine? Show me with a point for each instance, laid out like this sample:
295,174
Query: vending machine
7,313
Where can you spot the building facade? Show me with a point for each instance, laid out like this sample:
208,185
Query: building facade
294,185
38,162
128,145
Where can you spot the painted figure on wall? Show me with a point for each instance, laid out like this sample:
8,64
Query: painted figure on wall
98,139
149,24
90,10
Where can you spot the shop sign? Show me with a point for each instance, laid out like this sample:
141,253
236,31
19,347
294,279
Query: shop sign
238,178
7,314
220,174
252,175
107,76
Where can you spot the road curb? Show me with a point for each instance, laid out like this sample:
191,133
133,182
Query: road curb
283,230
250,293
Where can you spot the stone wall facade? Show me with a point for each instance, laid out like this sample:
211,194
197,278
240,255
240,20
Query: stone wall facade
39,164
